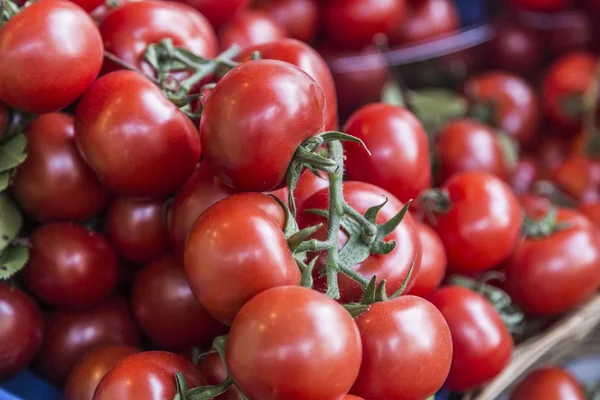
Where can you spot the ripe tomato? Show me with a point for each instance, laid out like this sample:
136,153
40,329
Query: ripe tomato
483,225
592,212
552,153
433,263
542,5
574,32
240,110
70,267
218,12
282,339
308,184
300,18
70,335
54,183
419,362
215,373
392,267
549,383
131,28
515,48
425,20
250,28
137,230
88,372
579,177
167,311
525,174
42,83
352,397
147,375
482,344
20,330
145,147
399,160
88,5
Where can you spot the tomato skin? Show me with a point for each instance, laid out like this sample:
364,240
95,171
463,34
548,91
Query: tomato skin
592,212
131,28
419,365
147,149
88,5
425,20
70,267
88,371
515,48
269,338
579,177
300,18
21,330
352,397
250,28
549,383
433,263
233,116
54,171
482,344
483,225
42,85
541,5
218,12
215,373
70,335
148,375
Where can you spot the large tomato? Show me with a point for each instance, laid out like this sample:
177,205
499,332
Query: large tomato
579,177
44,81
549,383
54,183
592,211
138,142
300,18
218,12
433,263
425,20
399,160
482,344
250,28
289,336
246,143
418,362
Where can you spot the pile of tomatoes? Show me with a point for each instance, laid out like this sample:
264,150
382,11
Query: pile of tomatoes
182,216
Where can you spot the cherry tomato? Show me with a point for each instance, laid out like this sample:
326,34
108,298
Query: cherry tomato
250,28
552,153
574,32
419,363
51,79
144,148
425,20
433,263
549,383
579,177
240,110
515,48
399,160
392,267
592,212
282,339
70,335
20,330
70,267
147,375
483,225
88,372
54,183
542,5
482,344
215,373
525,174
300,18
218,12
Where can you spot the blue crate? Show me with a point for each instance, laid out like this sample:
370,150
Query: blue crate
28,386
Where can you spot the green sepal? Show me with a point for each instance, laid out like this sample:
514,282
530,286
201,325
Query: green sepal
356,309
291,226
369,293
296,239
12,260
11,221
12,152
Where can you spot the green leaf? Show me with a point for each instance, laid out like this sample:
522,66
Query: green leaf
371,214
369,294
11,221
392,94
510,149
388,227
12,152
354,251
402,288
341,136
4,180
12,260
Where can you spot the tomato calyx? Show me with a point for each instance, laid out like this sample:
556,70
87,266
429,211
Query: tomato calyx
543,227
8,10
433,201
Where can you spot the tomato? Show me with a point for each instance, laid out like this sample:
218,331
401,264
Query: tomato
240,111
353,23
88,372
218,12
579,177
433,263
552,153
525,174
21,330
425,20
167,311
300,18
407,339
70,335
144,148
131,28
282,339
564,85
392,267
54,183
250,28
4,119
592,212
88,5
542,5
515,48
549,383
308,184
352,397
482,344
237,236
215,373
399,160
512,101
137,229
54,78
70,267
483,225
308,60
574,32
147,375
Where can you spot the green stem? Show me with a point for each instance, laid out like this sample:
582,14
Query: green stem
313,245
369,229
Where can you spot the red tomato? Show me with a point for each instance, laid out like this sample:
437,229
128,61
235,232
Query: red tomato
240,110
146,148
592,212
552,153
288,336
20,330
54,183
147,375
88,372
308,184
579,177
300,18
4,119
542,5
433,263
215,373
409,340
515,48
549,383
575,31
250,28
399,160
88,5
525,174
51,79
131,28
392,267
482,344
70,335
70,267
352,397
425,20
218,12
483,225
